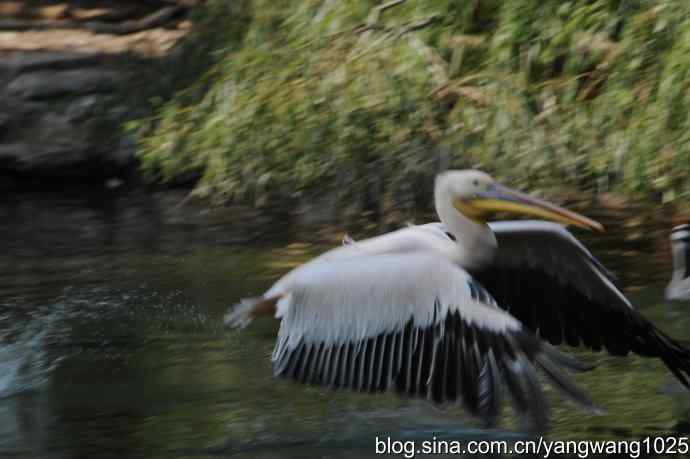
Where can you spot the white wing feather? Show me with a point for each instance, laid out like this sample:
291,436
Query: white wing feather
352,299
414,323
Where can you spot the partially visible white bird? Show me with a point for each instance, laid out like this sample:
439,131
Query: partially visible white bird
679,286
406,311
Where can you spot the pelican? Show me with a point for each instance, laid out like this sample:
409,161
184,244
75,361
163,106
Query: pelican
457,311
679,286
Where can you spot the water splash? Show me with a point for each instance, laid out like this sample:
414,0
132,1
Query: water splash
99,322
25,365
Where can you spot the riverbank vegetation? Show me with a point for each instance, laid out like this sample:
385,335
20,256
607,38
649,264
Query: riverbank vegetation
370,99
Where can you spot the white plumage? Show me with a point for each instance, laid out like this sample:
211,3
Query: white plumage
414,310
358,298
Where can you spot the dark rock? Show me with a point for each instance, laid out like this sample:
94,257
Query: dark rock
21,62
60,160
46,84
52,127
16,115
125,154
19,108
39,158
82,108
58,82
5,119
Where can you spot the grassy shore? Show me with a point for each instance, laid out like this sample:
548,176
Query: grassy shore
370,99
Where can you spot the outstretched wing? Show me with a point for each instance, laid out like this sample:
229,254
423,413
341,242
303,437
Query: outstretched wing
415,324
549,281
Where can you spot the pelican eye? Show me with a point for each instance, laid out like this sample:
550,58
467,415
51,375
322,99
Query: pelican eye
450,236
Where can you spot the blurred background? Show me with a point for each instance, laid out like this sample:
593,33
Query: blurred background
160,159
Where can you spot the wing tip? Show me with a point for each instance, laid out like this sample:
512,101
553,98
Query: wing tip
239,314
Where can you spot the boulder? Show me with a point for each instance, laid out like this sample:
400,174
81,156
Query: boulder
61,66
20,62
39,158
46,84
82,108
61,159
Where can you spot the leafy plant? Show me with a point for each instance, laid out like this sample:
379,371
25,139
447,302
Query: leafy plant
360,97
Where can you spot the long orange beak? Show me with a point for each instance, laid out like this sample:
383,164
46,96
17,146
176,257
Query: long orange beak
499,198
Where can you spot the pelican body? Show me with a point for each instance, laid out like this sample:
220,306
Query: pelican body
679,286
459,311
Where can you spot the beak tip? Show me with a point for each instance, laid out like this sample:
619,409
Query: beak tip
591,225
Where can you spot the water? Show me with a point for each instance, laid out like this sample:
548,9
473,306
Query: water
111,345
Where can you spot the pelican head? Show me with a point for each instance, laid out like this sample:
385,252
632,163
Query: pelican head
476,195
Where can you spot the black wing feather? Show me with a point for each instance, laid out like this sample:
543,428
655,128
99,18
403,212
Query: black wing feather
447,361
550,282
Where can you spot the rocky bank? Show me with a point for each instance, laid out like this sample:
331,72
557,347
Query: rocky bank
66,69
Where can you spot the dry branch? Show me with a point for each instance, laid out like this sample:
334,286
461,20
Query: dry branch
153,20
375,14
418,24
150,21
468,92
472,41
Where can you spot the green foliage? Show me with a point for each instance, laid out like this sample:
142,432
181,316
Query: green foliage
327,94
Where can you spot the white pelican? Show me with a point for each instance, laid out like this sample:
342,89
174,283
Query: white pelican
679,286
456,310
